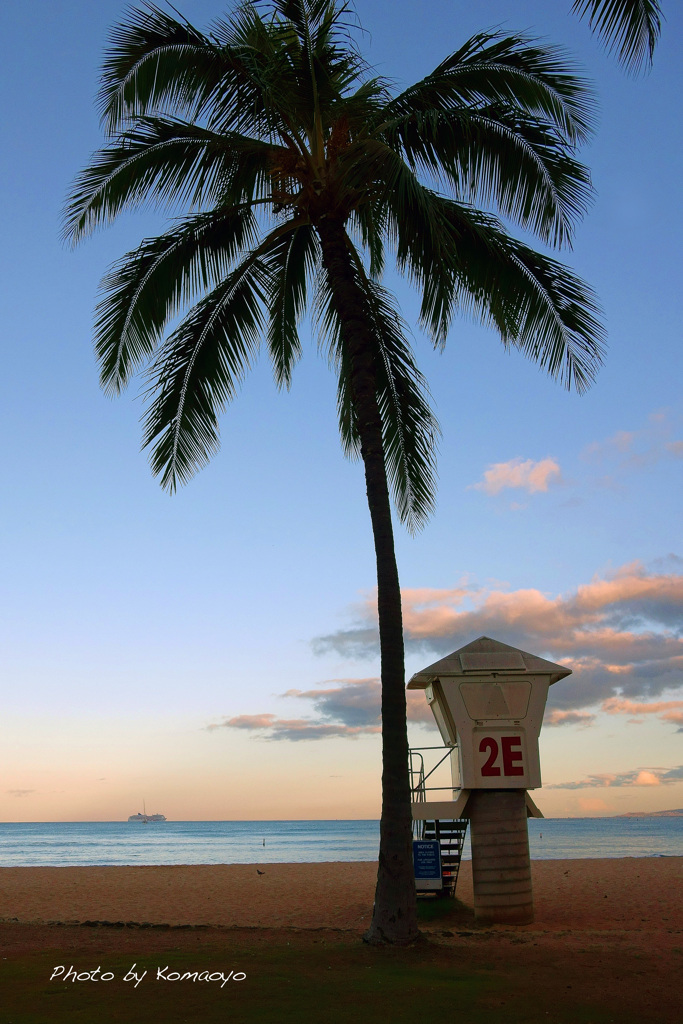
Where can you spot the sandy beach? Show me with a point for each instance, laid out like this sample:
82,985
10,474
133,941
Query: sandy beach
606,945
642,894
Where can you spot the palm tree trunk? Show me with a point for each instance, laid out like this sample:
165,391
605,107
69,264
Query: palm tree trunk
395,912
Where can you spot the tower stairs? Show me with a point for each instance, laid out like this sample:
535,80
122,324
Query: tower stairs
449,833
450,836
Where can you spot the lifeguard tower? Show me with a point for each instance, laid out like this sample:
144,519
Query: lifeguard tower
488,701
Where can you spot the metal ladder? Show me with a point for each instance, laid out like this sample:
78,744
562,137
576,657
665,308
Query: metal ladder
450,836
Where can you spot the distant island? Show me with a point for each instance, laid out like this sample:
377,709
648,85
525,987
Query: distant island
677,813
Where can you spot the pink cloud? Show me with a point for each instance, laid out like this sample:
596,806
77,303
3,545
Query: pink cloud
629,583
275,728
635,777
645,778
246,722
557,717
620,442
635,449
519,473
592,804
623,706
619,633
344,708
665,710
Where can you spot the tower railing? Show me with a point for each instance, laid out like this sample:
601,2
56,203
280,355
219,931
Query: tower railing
419,778
450,834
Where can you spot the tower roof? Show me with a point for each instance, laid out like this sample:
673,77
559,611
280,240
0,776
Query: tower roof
486,656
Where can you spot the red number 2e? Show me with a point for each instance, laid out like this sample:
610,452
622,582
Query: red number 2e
512,754
490,767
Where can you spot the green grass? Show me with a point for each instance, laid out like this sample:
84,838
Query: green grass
447,911
283,984
288,981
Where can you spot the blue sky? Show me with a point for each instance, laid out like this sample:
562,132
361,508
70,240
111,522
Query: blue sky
132,621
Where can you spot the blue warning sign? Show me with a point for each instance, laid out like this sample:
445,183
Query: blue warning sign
427,863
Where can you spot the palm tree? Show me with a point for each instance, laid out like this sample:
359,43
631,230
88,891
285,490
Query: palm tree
300,167
631,27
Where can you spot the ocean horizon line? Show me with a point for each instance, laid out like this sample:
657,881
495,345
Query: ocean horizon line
294,840
674,812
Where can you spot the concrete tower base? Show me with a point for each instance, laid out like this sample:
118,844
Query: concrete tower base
501,867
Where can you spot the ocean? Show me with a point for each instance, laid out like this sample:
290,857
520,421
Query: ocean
267,842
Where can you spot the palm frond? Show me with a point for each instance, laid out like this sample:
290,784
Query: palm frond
463,260
363,108
307,16
146,288
169,162
370,220
631,27
292,262
512,71
198,370
499,156
265,87
413,220
555,314
153,62
536,304
236,78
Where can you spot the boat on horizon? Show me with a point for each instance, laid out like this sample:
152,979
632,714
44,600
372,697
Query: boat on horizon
144,817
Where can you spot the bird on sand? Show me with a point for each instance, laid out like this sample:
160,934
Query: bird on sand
260,872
